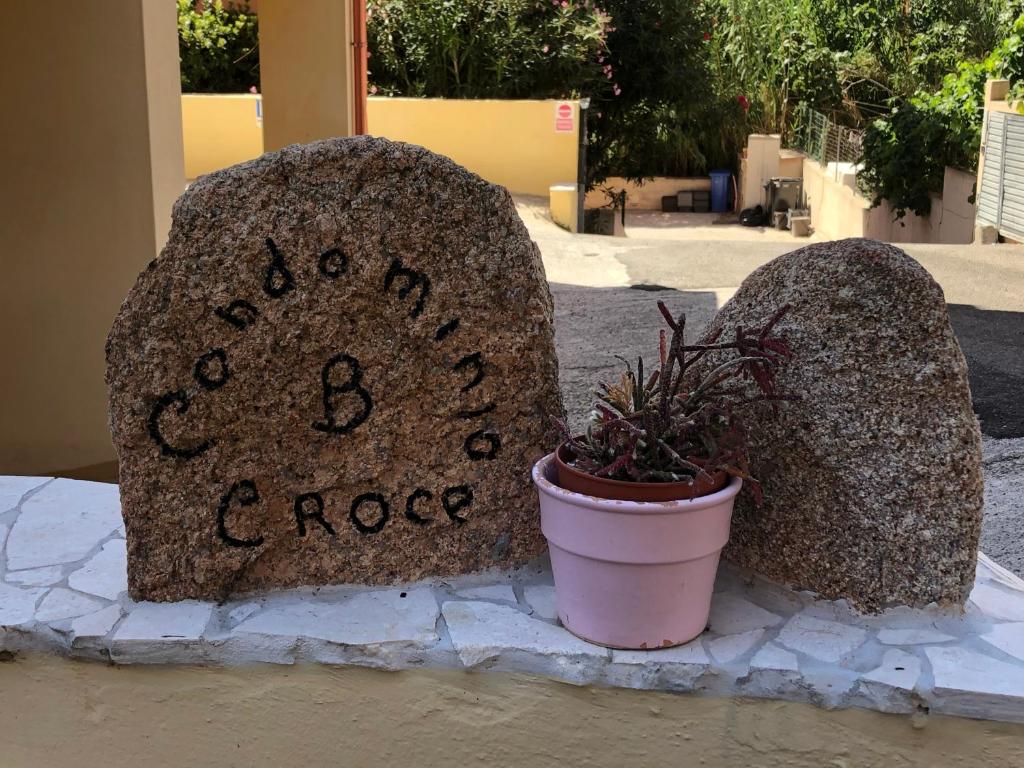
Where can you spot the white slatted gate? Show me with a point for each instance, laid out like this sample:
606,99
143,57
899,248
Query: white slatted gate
1001,197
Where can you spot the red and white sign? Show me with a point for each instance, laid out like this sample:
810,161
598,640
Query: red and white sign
564,117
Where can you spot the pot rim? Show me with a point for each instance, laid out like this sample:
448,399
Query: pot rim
549,488
681,485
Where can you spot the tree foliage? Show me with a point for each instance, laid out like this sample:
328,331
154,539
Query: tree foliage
676,85
219,48
906,151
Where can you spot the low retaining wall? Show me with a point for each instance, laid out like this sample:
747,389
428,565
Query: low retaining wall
838,210
63,581
520,144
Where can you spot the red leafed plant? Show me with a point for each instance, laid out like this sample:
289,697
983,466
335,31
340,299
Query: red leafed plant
673,428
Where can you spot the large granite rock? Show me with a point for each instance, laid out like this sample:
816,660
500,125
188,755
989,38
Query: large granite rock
340,369
872,481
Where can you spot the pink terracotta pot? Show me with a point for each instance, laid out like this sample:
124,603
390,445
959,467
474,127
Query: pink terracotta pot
633,574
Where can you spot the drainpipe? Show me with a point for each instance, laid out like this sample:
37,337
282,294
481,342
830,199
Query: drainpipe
581,165
359,68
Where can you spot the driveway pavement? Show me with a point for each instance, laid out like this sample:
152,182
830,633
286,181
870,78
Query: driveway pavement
604,290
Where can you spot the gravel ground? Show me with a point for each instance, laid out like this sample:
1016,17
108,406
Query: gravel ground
1001,534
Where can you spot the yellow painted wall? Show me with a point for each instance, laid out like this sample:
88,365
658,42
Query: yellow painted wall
219,130
56,713
512,143
90,167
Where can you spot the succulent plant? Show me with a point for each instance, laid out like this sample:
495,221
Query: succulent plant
673,426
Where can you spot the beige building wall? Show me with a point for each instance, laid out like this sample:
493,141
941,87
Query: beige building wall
91,167
58,713
305,70
838,210
646,196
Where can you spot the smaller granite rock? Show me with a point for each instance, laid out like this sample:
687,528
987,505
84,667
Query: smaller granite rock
872,480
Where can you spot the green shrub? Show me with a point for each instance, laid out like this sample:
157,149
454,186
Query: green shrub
657,111
905,152
219,48
641,64
466,49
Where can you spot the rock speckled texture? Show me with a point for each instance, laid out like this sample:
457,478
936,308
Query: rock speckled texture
873,488
354,332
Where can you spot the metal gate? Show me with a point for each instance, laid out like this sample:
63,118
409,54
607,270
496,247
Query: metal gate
1001,197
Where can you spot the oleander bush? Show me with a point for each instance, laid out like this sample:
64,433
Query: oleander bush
218,46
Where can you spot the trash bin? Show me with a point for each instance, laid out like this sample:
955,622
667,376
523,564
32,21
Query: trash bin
720,191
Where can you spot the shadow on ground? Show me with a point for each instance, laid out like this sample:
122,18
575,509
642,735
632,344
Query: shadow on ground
993,343
593,325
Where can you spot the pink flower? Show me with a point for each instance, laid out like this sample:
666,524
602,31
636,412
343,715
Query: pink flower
565,3
617,91
253,89
373,89
546,48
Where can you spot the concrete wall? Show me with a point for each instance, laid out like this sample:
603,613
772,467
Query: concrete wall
512,143
90,170
838,210
60,714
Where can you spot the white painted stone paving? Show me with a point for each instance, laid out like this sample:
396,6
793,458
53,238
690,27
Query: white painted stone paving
63,582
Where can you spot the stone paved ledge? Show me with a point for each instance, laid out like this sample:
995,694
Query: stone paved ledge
63,581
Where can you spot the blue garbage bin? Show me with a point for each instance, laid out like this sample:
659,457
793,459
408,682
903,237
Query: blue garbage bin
720,191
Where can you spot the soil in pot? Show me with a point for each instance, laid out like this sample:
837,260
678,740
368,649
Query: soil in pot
572,479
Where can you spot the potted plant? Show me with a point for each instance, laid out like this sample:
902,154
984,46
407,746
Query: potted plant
637,509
